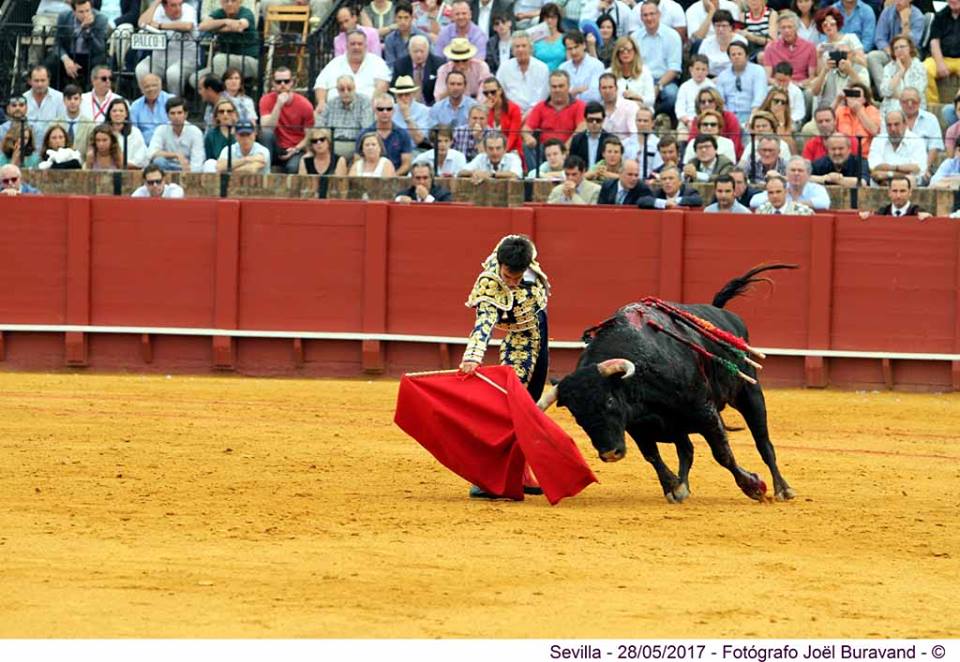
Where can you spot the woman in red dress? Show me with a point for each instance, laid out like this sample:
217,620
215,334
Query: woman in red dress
504,115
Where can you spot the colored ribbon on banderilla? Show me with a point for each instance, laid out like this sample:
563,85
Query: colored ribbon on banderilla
726,364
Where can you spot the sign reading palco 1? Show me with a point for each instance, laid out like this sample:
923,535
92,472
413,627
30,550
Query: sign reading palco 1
148,41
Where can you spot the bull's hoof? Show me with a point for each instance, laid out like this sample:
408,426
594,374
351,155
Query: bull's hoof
756,489
678,494
785,494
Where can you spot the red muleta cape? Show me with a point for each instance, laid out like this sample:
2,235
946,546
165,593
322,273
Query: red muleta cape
486,436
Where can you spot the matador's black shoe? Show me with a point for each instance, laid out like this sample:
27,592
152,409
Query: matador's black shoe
478,493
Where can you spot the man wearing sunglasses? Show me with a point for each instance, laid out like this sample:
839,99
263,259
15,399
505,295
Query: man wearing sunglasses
285,117
94,104
81,41
156,186
11,183
743,85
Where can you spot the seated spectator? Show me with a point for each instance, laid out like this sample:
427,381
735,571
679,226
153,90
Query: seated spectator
345,115
626,189
212,90
725,200
410,114
825,120
584,70
16,114
370,74
700,14
669,151
671,14
550,48
858,18
220,134
94,104
81,42
104,150
620,114
904,71
504,115
898,19
899,190
857,117
711,123
661,49
559,116
150,111
131,142
176,64
348,21
714,47
462,57
776,201
686,108
12,184
743,84
588,144
672,193
371,159
18,147
155,185
380,15
233,89
776,110
611,164
742,190
246,156
766,160
500,46
422,66
554,153
396,44
944,47
57,151
643,143
284,117
320,158
44,104
422,188
707,165
799,187
922,123
397,144
840,59
789,47
455,106
621,12
462,27
783,81
238,44
948,174
177,146
525,79
634,80
899,151
448,160
760,26
576,189
840,167
468,138
709,98
494,162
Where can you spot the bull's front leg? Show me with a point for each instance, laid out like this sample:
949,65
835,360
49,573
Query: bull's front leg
685,457
750,483
673,489
751,405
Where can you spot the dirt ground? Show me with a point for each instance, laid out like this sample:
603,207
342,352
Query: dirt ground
144,506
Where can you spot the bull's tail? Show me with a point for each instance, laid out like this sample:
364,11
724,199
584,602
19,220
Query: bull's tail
741,284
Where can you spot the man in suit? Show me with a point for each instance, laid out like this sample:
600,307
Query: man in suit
422,66
673,193
899,192
423,189
742,190
81,42
626,190
707,165
575,190
588,145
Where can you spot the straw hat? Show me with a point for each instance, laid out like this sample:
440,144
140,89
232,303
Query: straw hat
460,48
405,85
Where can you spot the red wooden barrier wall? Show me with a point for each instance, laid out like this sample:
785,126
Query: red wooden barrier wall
268,265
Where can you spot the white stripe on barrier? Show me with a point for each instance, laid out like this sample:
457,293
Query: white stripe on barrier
402,337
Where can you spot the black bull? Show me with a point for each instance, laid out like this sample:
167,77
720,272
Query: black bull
635,379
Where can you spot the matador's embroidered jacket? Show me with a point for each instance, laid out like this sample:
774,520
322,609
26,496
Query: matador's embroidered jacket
512,309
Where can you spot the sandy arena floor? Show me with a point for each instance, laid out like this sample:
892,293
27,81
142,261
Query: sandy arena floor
138,506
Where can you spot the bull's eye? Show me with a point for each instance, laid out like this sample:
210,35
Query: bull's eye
611,402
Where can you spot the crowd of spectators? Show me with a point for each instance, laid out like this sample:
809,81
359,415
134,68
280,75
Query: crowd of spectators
623,102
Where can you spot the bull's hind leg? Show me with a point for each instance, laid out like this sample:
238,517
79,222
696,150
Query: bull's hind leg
685,456
751,405
713,431
673,489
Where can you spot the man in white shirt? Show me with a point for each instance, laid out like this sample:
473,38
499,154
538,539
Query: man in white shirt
449,161
177,146
620,113
178,20
94,104
671,15
924,124
410,114
643,136
246,156
156,186
799,188
494,162
370,73
700,16
584,69
44,104
525,79
899,151
661,48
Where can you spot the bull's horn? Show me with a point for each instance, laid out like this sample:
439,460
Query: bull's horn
547,399
613,366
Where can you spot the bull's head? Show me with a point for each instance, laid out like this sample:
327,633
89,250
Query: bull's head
594,395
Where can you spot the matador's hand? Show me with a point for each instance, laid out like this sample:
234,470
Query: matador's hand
469,367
